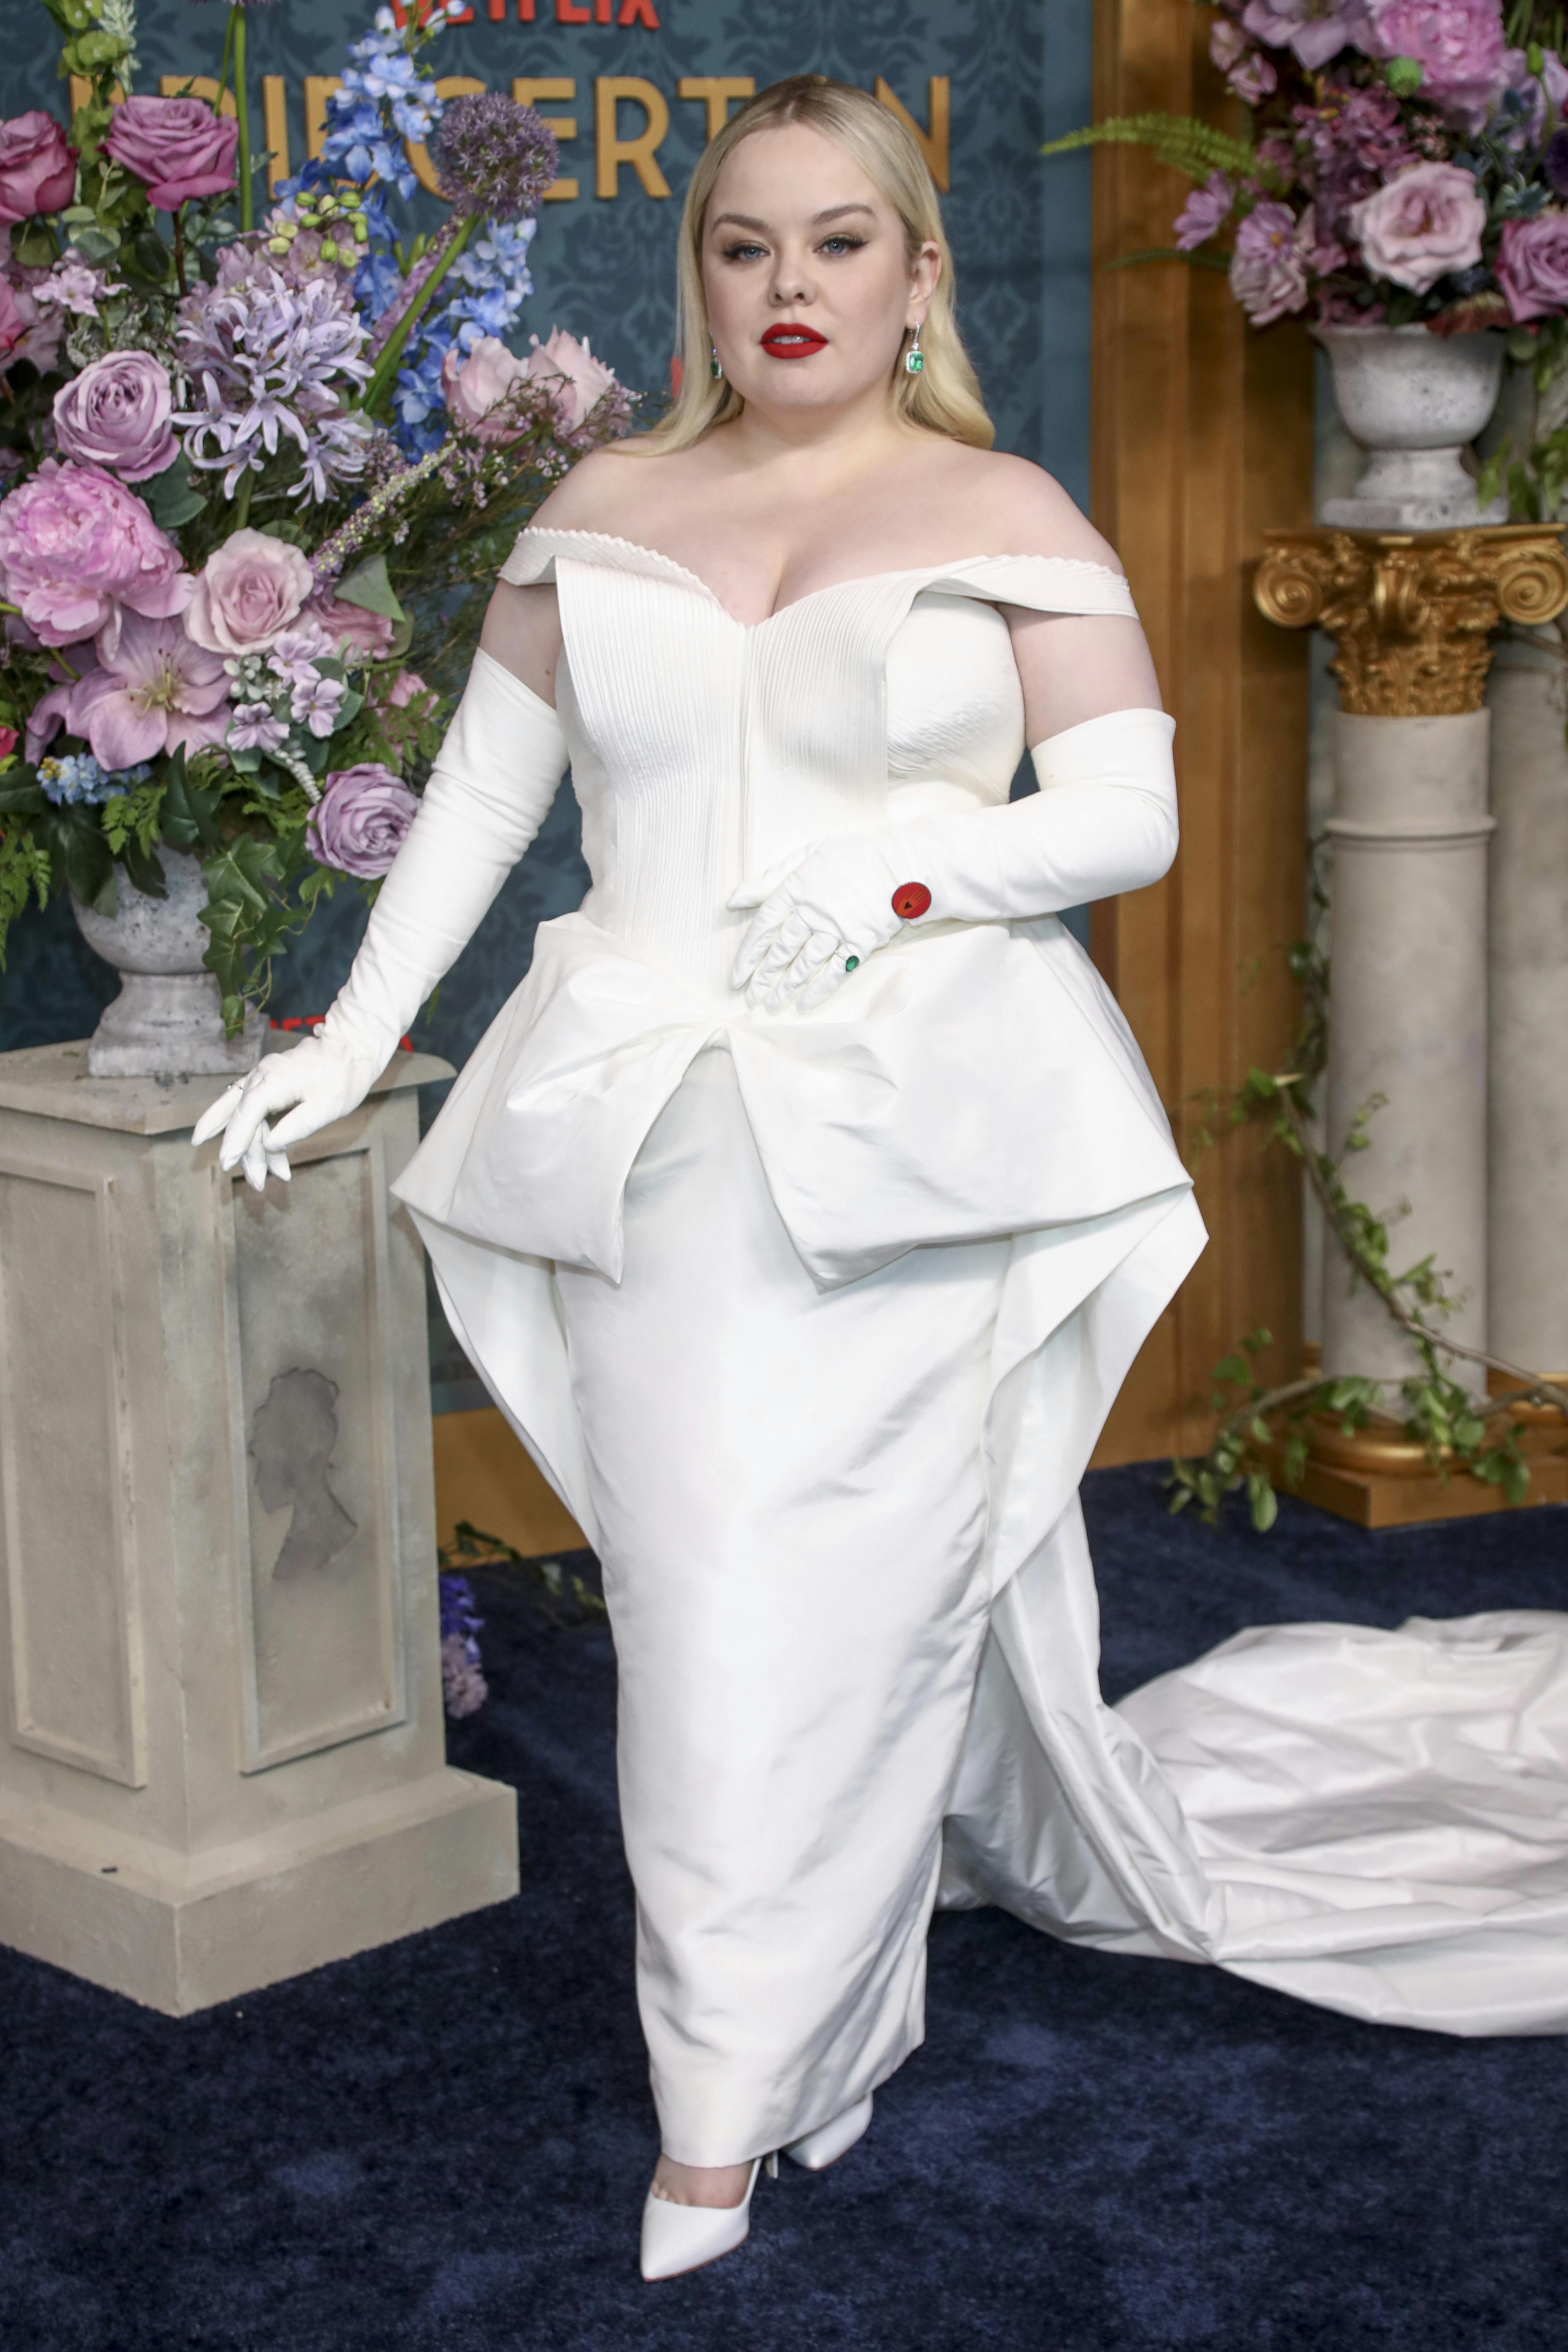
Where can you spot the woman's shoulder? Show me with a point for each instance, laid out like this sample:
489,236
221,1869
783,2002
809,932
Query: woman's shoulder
605,486
1011,506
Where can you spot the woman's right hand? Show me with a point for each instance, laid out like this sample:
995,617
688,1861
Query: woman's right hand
316,1082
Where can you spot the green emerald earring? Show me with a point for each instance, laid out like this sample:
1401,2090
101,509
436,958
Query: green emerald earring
914,358
715,364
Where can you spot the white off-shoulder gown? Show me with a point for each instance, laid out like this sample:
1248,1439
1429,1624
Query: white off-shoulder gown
813,1320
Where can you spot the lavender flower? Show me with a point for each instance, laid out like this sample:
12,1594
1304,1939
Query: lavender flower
314,703
493,157
463,1684
256,727
264,356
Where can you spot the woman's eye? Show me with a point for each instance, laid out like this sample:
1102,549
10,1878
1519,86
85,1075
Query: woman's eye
743,252
838,243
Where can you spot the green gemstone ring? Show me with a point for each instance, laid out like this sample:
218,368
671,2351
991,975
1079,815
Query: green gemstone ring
851,962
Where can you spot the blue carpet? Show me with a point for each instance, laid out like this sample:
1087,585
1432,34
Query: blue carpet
444,2145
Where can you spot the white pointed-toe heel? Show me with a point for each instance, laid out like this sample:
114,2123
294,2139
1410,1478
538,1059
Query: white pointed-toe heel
819,2149
677,2238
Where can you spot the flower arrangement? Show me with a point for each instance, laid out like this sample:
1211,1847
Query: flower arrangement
251,469
1405,162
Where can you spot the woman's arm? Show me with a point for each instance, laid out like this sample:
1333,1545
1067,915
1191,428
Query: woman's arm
522,632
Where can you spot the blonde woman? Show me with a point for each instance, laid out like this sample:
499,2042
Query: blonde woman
807,1202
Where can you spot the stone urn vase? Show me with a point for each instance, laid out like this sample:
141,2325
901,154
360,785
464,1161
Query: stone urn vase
167,1020
1414,401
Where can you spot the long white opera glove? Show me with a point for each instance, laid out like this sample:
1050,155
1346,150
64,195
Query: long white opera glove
1103,820
494,778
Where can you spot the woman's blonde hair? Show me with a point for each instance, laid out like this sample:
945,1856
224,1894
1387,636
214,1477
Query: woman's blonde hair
945,397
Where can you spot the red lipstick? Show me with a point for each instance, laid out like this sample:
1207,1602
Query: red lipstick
788,339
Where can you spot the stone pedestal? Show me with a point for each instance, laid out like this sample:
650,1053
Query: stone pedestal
223,1751
1411,613
1528,693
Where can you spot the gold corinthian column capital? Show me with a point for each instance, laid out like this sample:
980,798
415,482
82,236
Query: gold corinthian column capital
1411,612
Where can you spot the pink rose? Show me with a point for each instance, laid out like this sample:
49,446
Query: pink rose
116,413
1268,269
367,634
154,691
359,822
7,741
178,146
75,546
1420,226
1458,45
250,590
575,381
475,385
404,686
1533,266
38,170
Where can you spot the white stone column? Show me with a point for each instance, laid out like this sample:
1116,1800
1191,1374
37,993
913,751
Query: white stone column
221,1752
1408,1017
1528,1250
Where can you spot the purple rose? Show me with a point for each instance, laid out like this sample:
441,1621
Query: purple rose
360,820
1204,211
76,546
1316,30
1458,44
1268,269
1420,227
177,146
116,413
38,170
1532,269
367,634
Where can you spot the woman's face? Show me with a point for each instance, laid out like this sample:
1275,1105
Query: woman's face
810,287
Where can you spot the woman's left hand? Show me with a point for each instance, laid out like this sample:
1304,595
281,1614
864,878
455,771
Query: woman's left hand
833,910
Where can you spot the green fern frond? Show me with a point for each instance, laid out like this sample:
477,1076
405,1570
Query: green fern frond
1180,140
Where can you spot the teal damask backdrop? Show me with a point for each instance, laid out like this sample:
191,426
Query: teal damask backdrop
603,266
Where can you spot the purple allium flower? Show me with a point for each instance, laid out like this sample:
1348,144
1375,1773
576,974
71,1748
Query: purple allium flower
493,157
360,820
1204,211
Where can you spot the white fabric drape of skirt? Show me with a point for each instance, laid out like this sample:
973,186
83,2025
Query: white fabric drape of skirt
857,1642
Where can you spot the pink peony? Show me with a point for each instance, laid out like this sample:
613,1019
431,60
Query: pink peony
1532,267
1458,45
152,691
1203,212
250,590
177,146
1315,29
38,170
367,634
75,546
116,413
1268,269
575,379
1420,226
361,821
